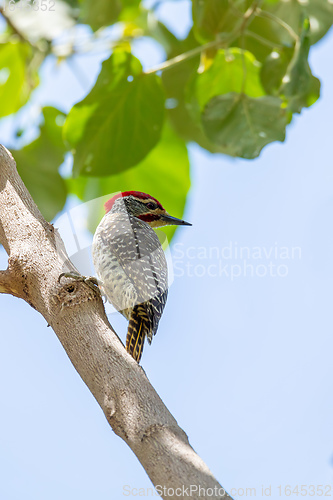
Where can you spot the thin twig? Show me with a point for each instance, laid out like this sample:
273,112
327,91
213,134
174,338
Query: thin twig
263,40
188,55
220,42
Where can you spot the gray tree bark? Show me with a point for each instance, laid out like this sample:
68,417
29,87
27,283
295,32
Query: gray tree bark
36,258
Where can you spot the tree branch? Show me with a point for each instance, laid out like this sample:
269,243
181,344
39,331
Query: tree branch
76,313
223,40
16,31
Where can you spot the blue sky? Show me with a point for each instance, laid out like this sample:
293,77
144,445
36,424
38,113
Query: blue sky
244,364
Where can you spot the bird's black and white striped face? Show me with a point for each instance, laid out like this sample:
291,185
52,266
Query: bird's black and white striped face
144,207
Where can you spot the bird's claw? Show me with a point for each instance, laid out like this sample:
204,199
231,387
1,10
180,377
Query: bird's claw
71,274
91,281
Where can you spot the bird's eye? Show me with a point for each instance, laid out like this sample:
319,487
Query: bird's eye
151,205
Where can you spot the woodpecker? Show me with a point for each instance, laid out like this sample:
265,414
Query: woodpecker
131,265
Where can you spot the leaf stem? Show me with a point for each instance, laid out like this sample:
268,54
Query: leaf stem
283,24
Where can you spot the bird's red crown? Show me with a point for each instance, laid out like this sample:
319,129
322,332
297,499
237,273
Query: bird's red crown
137,194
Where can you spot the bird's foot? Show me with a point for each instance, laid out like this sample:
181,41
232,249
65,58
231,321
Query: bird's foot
91,281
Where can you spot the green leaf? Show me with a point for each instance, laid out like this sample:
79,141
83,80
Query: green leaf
164,174
305,100
142,22
299,86
211,17
175,81
232,71
262,36
16,82
244,125
119,122
274,69
38,165
73,3
99,13
130,3
320,13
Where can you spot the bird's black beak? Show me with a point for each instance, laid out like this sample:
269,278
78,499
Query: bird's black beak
172,220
